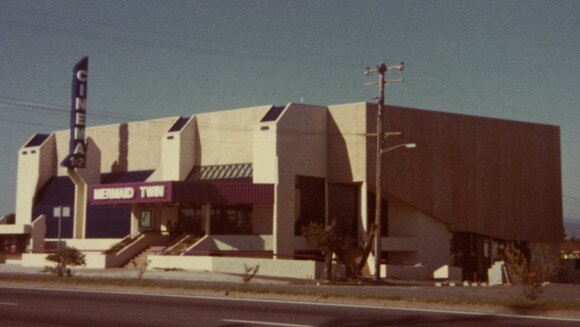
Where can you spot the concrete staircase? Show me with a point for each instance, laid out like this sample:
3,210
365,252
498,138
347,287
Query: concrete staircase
141,258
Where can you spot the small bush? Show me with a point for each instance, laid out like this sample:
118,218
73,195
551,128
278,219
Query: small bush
66,257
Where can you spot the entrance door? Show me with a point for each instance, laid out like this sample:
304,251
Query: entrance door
191,221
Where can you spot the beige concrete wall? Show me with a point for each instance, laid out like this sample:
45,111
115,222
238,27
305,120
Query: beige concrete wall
135,220
35,260
262,219
302,140
226,137
123,147
429,238
234,243
296,145
94,244
15,229
92,260
178,153
179,262
265,153
275,268
347,143
38,230
36,165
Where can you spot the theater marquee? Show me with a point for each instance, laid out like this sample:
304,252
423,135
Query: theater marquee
178,192
156,192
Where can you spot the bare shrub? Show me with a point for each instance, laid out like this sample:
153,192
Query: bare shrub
140,267
533,278
249,273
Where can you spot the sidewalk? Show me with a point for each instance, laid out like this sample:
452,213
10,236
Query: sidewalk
179,275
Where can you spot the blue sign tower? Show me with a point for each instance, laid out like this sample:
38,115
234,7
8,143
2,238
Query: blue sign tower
77,152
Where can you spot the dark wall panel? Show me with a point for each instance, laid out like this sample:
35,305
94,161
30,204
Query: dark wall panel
482,175
108,221
53,222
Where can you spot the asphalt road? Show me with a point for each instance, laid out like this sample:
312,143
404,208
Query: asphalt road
35,307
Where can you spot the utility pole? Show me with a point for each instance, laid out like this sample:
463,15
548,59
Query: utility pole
381,69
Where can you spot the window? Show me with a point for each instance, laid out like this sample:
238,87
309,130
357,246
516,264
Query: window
191,221
310,202
343,206
145,218
231,220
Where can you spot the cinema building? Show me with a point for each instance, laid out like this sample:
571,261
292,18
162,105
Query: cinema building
218,190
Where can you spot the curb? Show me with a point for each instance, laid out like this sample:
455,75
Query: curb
459,284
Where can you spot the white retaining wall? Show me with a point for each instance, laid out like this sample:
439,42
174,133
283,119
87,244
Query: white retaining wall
305,269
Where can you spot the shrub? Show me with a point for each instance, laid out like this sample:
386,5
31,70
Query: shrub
329,241
64,258
250,272
533,278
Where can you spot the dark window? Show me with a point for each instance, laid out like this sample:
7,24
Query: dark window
105,221
179,124
577,266
272,114
343,206
191,221
473,253
13,244
36,140
310,196
231,220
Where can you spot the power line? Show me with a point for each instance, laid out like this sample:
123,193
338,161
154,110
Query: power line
21,103
183,47
188,36
27,123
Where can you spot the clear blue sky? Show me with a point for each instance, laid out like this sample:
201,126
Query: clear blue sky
516,60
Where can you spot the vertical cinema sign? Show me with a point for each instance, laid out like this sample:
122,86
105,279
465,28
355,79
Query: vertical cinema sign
77,152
